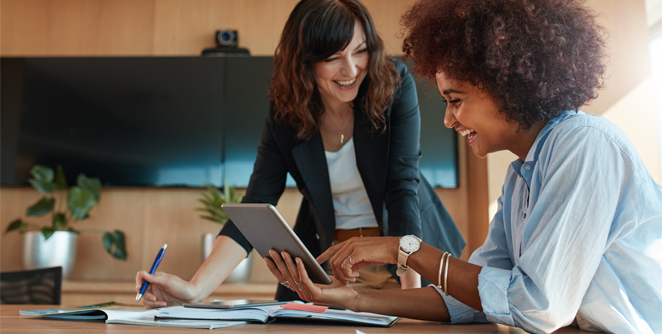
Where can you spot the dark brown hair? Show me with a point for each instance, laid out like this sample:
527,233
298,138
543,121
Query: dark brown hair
536,58
316,30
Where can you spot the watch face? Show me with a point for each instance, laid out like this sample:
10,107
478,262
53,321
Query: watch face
409,243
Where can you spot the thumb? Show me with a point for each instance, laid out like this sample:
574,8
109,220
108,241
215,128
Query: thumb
152,279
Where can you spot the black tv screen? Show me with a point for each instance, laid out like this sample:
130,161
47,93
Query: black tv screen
157,121
128,121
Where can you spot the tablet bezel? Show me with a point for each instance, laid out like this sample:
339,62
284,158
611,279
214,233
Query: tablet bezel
266,229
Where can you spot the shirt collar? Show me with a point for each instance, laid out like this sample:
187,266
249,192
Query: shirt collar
525,168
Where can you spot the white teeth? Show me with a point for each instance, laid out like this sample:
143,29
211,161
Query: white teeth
346,83
466,132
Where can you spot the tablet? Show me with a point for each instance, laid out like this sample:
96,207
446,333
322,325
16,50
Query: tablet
265,229
235,304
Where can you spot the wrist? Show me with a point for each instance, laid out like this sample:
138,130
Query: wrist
394,249
194,294
356,304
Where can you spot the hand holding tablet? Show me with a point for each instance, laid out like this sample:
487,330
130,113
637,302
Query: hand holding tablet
266,229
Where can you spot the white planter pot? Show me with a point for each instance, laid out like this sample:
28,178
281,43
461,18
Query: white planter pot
241,273
58,251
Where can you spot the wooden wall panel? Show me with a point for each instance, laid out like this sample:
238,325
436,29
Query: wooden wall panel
76,27
149,217
23,27
157,27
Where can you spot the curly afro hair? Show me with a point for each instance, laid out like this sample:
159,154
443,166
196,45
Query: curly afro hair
536,58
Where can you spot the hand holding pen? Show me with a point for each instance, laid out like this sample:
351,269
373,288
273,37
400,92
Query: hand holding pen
159,256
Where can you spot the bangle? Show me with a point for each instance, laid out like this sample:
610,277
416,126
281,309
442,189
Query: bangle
446,274
441,264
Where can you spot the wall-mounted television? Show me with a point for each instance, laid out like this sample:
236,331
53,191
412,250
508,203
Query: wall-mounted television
157,121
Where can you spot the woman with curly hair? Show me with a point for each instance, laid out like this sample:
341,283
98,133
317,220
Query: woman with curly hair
577,235
345,124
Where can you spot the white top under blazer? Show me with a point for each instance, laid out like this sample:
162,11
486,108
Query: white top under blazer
350,199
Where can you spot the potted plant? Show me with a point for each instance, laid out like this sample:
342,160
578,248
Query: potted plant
212,211
55,244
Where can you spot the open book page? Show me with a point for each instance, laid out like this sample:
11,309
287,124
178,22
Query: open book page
178,323
251,314
340,316
105,311
266,314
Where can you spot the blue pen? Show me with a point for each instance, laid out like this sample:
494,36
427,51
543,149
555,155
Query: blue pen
159,256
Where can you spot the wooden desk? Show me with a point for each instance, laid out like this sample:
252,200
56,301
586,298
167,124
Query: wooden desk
11,322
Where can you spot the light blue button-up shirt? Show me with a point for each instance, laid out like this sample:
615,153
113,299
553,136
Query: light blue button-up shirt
577,236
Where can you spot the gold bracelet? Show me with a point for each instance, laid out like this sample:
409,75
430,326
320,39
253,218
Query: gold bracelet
446,274
441,264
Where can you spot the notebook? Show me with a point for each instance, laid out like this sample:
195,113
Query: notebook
268,314
114,313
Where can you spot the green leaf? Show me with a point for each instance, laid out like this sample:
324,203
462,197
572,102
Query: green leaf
80,202
120,246
42,173
44,206
117,240
60,179
206,198
92,184
47,231
108,242
16,224
230,194
44,187
72,230
214,199
59,221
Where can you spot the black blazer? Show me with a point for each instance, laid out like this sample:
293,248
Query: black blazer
387,162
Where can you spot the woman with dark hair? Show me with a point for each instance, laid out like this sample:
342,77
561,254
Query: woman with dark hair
577,235
344,123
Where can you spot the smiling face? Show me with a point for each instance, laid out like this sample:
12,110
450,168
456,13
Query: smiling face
339,77
475,115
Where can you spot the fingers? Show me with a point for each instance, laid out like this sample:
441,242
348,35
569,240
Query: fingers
142,276
151,301
294,271
363,251
139,280
291,266
308,286
274,269
329,253
148,299
287,267
341,262
282,267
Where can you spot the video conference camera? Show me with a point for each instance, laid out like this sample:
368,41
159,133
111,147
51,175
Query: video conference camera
227,44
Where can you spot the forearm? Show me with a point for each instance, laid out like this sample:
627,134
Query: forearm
422,303
224,257
462,277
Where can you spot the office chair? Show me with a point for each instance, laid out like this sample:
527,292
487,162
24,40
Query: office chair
41,286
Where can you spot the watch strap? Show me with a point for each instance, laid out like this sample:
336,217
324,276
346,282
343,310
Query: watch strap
402,262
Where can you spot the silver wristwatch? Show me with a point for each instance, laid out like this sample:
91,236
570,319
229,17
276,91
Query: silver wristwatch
408,245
